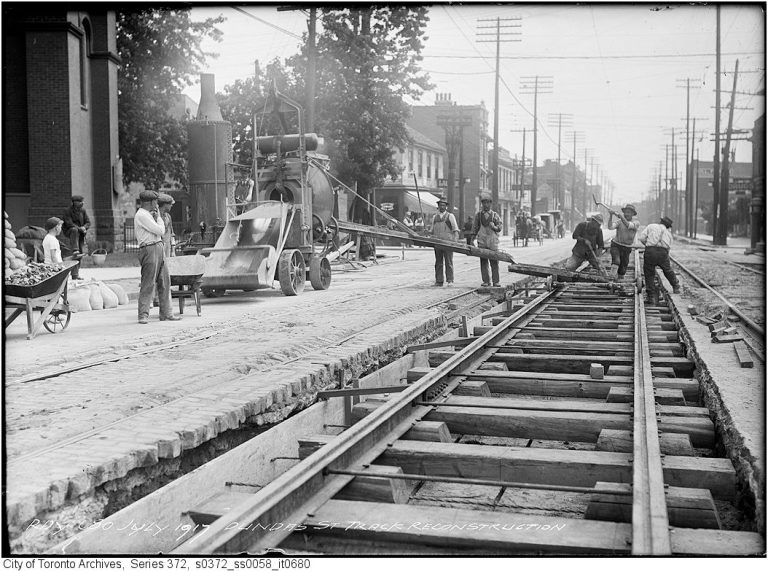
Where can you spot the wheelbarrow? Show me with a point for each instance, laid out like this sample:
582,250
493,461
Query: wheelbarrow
186,273
49,296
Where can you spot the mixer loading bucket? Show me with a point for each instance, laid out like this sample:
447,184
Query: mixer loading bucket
245,255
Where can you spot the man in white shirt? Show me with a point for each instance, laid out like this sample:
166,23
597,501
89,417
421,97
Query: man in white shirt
621,245
51,246
658,240
149,230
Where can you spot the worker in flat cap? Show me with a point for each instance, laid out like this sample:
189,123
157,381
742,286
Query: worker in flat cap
486,229
621,245
589,243
75,227
444,227
150,229
657,239
164,204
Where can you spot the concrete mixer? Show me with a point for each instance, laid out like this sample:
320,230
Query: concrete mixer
285,229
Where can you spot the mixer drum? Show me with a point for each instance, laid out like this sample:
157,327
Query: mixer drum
322,193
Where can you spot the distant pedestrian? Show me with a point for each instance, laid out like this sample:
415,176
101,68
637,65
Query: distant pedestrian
408,219
468,235
51,246
621,245
418,225
150,229
75,227
444,227
658,241
589,243
486,228
164,203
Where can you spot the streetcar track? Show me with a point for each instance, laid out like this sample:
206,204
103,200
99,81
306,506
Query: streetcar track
309,492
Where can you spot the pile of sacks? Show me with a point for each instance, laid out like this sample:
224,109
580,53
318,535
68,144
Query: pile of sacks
13,258
87,295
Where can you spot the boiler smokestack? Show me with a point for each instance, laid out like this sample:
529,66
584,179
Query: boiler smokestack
208,110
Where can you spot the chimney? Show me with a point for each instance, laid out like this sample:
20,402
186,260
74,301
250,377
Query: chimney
208,110
442,99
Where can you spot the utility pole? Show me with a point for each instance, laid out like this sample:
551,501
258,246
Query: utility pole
576,136
716,161
586,189
453,122
522,171
688,191
659,195
557,119
499,37
543,84
309,101
721,234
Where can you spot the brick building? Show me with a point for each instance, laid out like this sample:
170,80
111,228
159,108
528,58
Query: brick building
60,133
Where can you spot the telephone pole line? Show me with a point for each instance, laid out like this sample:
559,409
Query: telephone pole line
688,202
503,33
522,171
576,137
535,84
716,161
557,119
721,233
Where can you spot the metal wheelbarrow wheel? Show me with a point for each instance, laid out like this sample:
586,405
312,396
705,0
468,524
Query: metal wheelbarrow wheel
292,272
58,320
320,272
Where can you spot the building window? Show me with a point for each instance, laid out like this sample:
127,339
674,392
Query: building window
410,160
421,162
437,162
429,164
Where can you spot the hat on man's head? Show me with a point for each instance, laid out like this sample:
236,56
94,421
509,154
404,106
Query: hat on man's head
597,218
52,223
667,221
77,198
631,208
441,198
485,196
148,195
164,198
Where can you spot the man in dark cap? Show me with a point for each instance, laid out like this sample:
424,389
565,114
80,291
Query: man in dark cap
486,229
150,229
658,240
76,224
589,243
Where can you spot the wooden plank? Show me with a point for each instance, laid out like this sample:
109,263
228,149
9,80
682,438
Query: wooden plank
743,354
451,528
553,466
621,441
429,431
686,507
716,542
473,389
211,509
559,363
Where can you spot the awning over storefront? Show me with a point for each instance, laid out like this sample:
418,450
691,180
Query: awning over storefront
428,201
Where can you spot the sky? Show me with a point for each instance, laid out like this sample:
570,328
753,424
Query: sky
617,73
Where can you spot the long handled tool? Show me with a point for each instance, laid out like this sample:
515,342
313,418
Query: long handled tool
601,204
597,260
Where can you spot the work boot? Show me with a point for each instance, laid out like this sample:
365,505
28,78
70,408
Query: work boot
676,288
614,272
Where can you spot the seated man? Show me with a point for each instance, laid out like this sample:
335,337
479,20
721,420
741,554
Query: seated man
76,224
589,243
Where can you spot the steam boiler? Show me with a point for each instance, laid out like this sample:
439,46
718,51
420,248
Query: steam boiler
285,230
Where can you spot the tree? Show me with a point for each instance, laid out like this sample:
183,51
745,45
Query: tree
368,64
161,51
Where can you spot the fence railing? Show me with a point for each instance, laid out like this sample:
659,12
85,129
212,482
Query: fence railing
129,234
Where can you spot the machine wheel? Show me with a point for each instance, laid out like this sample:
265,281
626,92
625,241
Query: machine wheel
57,320
332,229
292,272
213,292
320,272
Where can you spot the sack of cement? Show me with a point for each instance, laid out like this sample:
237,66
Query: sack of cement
79,297
122,297
96,301
109,297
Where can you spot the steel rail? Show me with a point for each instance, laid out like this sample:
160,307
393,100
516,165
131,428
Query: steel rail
299,492
751,324
650,521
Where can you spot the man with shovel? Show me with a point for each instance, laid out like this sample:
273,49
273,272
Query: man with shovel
589,244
